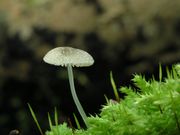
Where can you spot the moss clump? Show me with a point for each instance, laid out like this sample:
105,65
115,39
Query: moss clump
60,130
153,110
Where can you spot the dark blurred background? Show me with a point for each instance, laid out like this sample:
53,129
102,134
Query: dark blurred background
123,36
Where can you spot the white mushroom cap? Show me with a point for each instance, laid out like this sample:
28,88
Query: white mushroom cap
61,56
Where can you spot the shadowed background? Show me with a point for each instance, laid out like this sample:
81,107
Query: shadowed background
123,36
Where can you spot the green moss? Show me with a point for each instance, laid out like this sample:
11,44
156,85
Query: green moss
154,110
60,130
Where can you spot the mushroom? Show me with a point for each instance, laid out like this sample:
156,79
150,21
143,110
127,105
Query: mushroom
70,57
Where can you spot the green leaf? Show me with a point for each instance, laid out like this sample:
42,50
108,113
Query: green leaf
77,122
35,119
114,87
50,121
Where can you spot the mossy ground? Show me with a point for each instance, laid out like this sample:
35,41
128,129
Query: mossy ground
151,109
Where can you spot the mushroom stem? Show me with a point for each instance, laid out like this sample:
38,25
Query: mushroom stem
74,95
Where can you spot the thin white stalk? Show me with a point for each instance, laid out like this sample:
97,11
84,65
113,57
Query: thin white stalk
74,95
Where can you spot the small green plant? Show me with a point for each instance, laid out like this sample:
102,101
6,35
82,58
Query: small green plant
35,119
51,125
114,87
153,109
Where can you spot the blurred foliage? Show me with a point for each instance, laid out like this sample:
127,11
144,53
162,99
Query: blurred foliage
125,36
153,26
